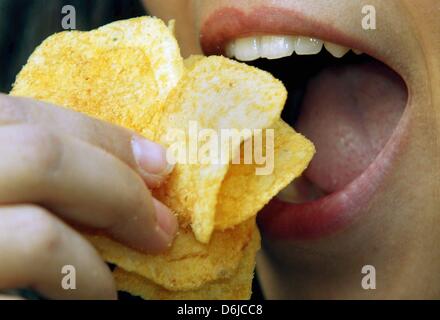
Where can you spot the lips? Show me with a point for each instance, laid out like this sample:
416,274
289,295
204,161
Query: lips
227,24
351,108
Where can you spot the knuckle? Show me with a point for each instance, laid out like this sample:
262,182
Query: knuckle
10,110
42,229
42,150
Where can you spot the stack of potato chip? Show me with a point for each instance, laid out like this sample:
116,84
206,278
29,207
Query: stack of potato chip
131,73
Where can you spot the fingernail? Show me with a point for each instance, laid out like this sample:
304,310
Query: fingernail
166,220
150,157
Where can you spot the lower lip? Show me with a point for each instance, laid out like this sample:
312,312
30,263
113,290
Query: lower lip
336,211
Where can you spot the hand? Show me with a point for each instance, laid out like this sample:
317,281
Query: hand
59,166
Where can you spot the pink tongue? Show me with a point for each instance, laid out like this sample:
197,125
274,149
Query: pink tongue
349,112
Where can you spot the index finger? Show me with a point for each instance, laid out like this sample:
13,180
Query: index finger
147,158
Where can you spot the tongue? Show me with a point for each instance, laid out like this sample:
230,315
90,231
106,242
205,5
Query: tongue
349,112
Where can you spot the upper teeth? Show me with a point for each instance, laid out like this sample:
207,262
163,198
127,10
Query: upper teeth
275,47
336,50
308,46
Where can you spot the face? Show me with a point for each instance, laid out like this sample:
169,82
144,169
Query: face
371,195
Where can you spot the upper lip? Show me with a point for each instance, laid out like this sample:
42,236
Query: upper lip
229,23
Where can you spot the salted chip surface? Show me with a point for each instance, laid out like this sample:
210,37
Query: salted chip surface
157,41
192,60
188,264
237,287
243,193
117,73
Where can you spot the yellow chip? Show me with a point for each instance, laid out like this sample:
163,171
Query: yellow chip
189,264
216,93
117,73
192,60
243,193
156,40
237,287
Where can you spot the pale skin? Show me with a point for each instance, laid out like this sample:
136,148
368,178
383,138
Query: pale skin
400,232
399,235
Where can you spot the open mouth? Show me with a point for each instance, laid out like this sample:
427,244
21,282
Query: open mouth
347,103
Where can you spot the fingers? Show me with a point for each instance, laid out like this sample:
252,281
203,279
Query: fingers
35,247
150,159
145,157
83,184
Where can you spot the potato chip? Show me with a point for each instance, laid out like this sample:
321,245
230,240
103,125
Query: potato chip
192,60
156,40
243,193
188,264
117,73
237,287
216,93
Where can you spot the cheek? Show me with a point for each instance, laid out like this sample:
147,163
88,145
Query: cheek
184,13
167,9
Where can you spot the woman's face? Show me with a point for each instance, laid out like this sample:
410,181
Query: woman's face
371,196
